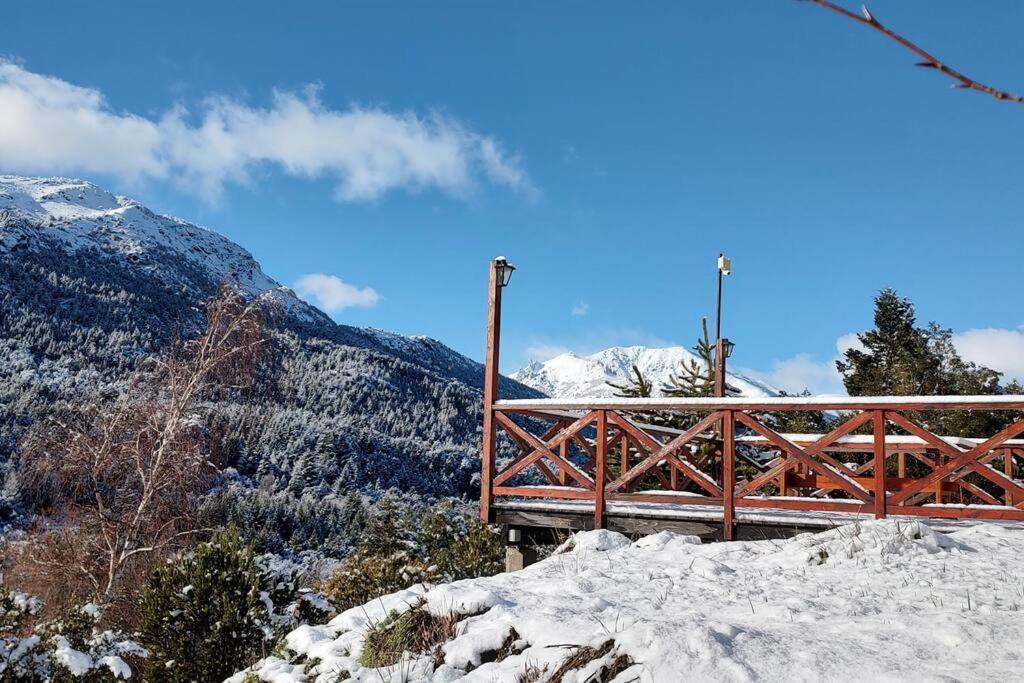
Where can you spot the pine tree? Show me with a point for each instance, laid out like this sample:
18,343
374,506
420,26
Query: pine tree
636,386
899,358
895,358
695,381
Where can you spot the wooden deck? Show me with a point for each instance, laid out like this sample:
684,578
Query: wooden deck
599,464
539,517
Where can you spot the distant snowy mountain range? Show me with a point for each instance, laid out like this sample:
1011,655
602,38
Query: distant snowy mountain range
572,376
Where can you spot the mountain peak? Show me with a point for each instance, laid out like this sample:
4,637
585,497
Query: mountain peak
571,376
79,217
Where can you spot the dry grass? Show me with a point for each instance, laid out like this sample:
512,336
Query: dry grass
531,674
416,631
585,655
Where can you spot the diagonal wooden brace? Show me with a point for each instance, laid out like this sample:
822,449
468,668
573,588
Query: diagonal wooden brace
959,458
543,450
815,448
840,480
665,452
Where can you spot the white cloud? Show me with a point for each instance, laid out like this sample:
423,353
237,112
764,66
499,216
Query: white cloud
331,294
580,309
800,372
996,348
845,342
805,371
48,125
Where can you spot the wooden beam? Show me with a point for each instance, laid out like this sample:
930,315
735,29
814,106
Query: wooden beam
959,461
543,450
491,379
691,405
841,480
878,420
602,464
728,475
525,460
815,448
665,452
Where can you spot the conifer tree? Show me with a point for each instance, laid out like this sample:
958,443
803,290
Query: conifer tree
636,386
899,358
696,379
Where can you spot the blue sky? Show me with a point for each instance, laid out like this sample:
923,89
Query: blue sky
610,149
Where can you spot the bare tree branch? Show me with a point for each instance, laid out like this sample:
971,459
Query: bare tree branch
928,60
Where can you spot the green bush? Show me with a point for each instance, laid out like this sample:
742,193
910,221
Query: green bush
364,576
216,610
400,549
65,650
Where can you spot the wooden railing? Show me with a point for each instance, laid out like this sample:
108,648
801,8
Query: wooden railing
605,450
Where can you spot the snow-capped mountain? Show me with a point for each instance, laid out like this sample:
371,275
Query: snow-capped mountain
91,282
572,376
81,217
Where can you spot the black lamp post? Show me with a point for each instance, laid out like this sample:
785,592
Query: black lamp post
723,347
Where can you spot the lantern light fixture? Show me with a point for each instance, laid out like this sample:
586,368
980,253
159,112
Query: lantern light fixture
505,269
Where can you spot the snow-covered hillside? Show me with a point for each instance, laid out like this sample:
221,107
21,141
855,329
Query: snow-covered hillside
879,600
80,216
91,282
572,376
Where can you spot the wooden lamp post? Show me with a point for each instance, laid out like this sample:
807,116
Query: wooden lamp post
500,274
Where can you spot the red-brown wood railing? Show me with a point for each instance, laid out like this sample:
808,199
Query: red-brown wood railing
573,457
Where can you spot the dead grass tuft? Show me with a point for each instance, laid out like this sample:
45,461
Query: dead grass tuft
585,655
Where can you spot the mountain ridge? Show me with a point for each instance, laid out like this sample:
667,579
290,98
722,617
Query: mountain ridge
573,376
90,283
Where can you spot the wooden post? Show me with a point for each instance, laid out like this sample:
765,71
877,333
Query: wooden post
719,367
624,465
601,465
491,355
902,465
879,464
563,450
1008,471
728,475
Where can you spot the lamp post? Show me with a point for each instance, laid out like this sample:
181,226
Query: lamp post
723,347
500,274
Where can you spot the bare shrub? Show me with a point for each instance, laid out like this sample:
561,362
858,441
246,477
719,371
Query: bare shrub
120,475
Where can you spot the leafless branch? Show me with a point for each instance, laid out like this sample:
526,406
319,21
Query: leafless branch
124,476
928,61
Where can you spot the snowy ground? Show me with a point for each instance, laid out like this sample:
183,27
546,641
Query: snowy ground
886,600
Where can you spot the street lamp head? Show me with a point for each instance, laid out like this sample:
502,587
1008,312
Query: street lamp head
504,269
724,264
727,347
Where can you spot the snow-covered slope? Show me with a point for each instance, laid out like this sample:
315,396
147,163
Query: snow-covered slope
79,217
90,283
572,376
880,600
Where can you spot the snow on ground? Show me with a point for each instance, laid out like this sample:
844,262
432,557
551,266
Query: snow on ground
878,600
